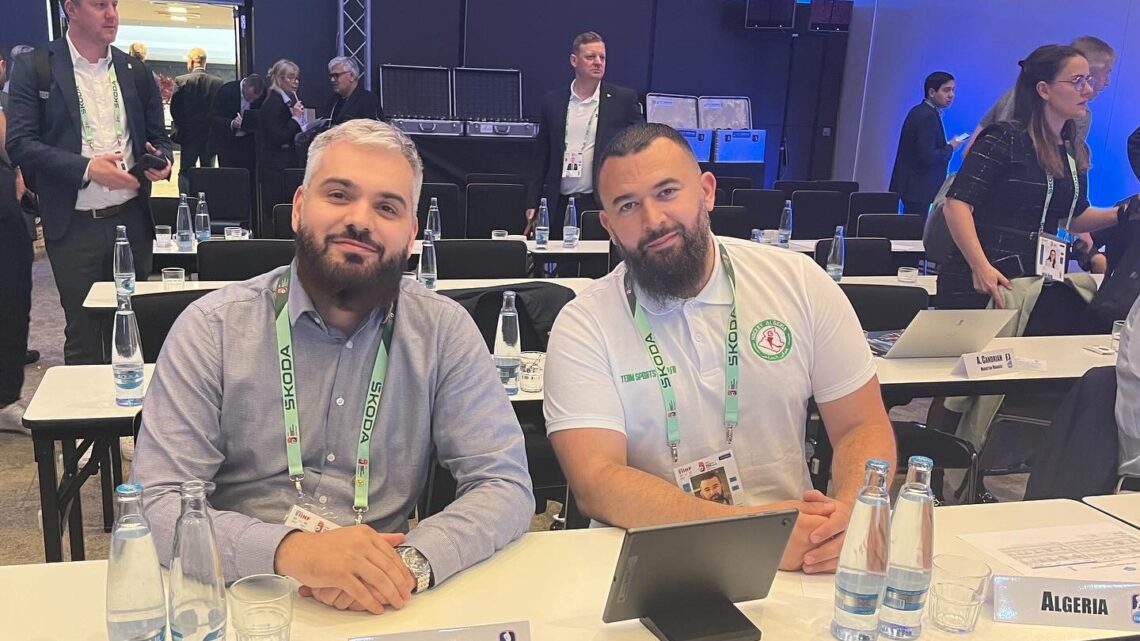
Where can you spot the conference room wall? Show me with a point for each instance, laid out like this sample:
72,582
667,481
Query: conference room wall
896,43
23,22
303,31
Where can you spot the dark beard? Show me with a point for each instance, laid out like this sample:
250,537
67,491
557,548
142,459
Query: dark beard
676,273
352,283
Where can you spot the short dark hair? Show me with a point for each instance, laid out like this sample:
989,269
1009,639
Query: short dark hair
635,139
1094,49
935,81
584,39
255,81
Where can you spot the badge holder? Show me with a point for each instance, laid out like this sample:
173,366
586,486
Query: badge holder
1052,257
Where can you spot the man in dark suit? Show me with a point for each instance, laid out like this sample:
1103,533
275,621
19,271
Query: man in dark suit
231,134
78,157
351,100
576,123
190,104
924,153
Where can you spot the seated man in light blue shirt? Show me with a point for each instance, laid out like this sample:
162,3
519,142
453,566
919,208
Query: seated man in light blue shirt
325,390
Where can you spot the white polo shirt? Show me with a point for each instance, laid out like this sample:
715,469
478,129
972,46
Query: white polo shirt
799,338
581,132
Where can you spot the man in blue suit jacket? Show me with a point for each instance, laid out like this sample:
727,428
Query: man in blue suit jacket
82,113
924,153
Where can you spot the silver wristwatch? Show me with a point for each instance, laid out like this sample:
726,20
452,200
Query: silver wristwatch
418,565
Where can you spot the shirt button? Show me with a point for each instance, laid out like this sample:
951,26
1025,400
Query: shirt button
324,499
330,458
698,338
348,344
339,401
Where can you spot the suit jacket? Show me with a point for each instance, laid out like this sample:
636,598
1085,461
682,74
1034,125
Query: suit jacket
190,105
618,110
1134,152
227,103
50,147
923,155
276,130
361,103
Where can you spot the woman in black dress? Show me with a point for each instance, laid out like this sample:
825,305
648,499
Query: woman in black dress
1022,178
282,115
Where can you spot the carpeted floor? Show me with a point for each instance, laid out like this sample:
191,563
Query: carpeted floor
22,540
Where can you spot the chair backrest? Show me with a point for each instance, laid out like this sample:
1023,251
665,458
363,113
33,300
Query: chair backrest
502,179
885,307
453,222
480,258
862,256
845,187
242,259
731,220
764,206
871,202
731,183
893,226
156,314
292,179
817,213
722,197
164,211
592,226
494,206
227,193
790,187
283,221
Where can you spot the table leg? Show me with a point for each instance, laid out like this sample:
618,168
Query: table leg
74,507
107,485
44,448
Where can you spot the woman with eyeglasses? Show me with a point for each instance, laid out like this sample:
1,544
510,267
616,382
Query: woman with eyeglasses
282,116
1023,179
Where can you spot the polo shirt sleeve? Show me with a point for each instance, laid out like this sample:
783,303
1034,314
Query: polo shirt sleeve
579,387
841,361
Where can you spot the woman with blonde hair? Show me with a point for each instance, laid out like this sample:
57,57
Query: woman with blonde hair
281,119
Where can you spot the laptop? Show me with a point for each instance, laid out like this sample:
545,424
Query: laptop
937,333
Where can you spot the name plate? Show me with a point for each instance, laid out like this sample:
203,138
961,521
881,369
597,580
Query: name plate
509,631
1067,603
982,364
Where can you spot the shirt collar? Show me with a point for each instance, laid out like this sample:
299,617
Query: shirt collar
932,105
718,291
574,97
77,58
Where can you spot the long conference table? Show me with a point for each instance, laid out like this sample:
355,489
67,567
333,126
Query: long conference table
556,581
585,247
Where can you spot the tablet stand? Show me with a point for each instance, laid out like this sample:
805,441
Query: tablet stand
706,620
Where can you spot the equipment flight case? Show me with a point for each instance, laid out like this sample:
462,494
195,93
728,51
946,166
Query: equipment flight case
489,103
418,100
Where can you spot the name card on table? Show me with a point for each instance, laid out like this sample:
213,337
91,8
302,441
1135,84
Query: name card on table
1067,603
509,631
982,364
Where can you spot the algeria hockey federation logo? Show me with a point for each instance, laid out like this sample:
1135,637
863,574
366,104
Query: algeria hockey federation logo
771,340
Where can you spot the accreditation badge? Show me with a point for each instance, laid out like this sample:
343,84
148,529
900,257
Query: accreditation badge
1052,257
572,164
713,478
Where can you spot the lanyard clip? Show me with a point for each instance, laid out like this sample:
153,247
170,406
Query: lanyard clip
297,484
673,450
729,427
359,514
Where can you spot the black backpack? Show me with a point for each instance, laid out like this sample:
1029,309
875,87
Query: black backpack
1121,286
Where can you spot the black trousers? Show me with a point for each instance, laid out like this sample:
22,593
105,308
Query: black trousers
196,152
15,289
84,256
584,202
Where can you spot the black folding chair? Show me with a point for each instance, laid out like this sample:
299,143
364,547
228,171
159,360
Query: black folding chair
283,221
764,206
156,314
946,451
453,222
227,194
790,187
498,179
494,206
863,256
242,259
732,221
870,202
721,198
164,211
881,308
594,266
817,213
892,226
482,258
845,187
731,183
293,178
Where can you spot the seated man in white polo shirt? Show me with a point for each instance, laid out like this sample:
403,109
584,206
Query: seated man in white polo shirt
700,353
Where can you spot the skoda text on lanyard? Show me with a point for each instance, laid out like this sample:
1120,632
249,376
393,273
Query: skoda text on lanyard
668,393
85,117
288,372
1052,250
572,160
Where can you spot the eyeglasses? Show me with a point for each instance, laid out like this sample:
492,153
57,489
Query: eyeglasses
335,75
1080,82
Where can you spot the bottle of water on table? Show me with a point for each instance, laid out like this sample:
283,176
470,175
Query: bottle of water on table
426,273
202,219
911,553
757,237
862,572
837,256
784,231
570,227
123,265
197,591
508,355
136,601
542,228
184,226
126,357
432,227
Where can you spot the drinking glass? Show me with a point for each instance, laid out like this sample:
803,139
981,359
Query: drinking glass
234,233
162,235
1117,330
530,371
173,278
262,607
908,274
499,234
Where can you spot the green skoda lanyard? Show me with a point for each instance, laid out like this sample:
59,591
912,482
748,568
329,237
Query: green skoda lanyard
287,369
589,123
88,128
1067,236
668,393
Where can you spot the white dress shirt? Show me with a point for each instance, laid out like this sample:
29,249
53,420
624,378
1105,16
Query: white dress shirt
93,81
582,124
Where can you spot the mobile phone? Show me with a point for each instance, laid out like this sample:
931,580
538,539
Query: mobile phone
148,161
961,137
1010,266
